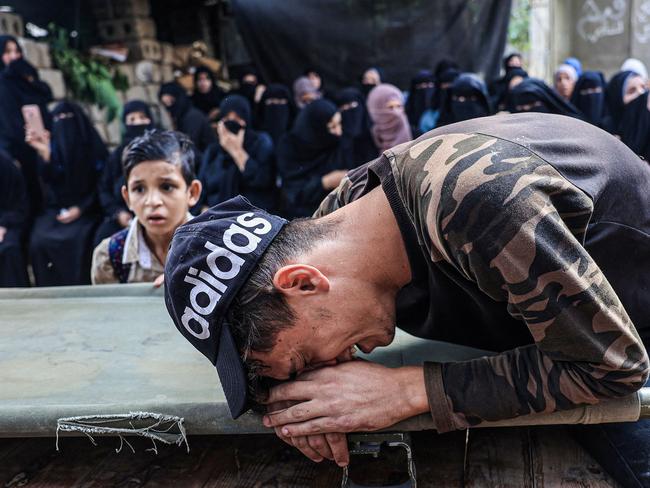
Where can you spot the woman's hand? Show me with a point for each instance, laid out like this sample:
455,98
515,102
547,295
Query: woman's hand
68,215
40,141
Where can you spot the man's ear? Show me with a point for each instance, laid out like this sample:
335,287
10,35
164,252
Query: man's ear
300,280
195,192
125,196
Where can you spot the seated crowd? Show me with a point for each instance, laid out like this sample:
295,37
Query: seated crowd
79,214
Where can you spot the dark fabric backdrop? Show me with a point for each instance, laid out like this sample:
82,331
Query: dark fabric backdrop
340,38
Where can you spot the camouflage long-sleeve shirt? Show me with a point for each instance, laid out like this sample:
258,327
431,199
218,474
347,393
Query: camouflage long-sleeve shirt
528,235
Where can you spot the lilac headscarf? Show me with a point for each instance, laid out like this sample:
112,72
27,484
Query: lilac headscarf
302,86
390,127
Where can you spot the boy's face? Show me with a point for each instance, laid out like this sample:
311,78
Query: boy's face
158,195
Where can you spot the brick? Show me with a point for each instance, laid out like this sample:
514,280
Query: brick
95,113
167,53
144,49
147,72
128,70
54,78
166,73
137,92
152,92
114,9
114,132
37,53
127,29
11,24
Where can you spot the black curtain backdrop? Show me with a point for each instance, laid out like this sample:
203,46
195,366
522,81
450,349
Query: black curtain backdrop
341,38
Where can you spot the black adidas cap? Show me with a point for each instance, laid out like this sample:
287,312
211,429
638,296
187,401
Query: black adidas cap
209,260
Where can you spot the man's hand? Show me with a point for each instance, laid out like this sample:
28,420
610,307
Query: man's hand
332,446
69,215
352,396
3,232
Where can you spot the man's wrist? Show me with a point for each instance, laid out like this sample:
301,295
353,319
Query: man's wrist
413,392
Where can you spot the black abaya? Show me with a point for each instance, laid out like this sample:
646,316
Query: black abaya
306,154
13,218
61,253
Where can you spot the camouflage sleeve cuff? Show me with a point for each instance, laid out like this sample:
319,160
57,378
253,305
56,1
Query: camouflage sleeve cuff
437,397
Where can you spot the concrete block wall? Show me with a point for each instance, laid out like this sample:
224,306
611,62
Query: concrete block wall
601,33
145,71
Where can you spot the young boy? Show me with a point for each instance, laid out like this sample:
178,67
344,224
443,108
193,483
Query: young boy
160,189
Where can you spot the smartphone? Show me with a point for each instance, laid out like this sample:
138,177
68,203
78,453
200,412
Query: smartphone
33,119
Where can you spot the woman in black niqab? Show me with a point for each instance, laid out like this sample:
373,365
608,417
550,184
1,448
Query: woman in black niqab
305,155
112,177
61,241
13,220
589,96
614,100
533,95
634,126
420,98
357,142
20,85
207,101
275,111
187,118
222,177
469,98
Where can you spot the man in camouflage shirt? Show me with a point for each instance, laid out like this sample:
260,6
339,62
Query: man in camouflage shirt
527,234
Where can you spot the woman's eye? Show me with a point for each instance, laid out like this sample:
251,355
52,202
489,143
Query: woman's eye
167,187
137,189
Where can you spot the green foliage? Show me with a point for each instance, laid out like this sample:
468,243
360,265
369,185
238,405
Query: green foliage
88,79
518,35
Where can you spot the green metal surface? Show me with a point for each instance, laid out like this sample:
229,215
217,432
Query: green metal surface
112,349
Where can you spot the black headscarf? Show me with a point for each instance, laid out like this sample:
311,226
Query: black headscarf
357,138
275,119
206,102
614,100
78,154
311,142
181,103
541,98
469,98
4,39
446,77
634,127
305,155
419,99
589,96
247,90
133,131
231,176
366,87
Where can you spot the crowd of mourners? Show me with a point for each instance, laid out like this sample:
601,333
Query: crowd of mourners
78,213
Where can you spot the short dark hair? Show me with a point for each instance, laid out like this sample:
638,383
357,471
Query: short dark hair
160,145
259,311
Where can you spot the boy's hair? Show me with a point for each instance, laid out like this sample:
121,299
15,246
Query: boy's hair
160,145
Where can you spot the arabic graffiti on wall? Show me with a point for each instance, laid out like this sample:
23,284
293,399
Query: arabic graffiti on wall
603,19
